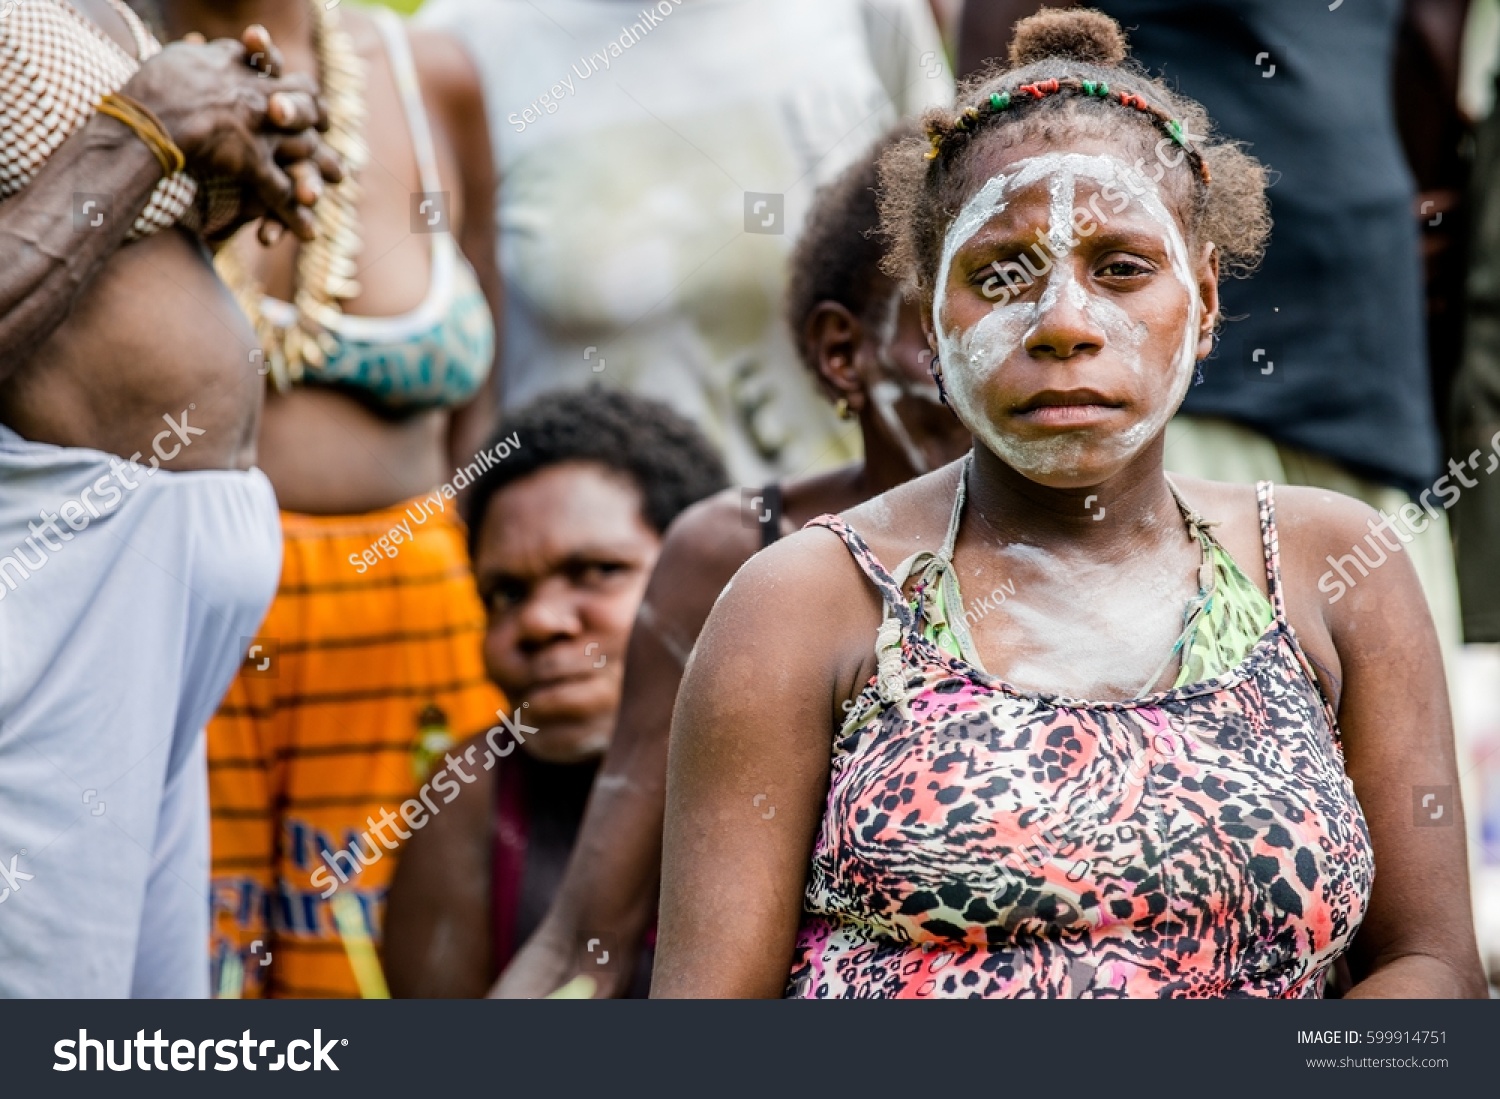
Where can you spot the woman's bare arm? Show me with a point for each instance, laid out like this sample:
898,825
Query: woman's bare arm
610,887
438,928
748,769
1417,939
451,82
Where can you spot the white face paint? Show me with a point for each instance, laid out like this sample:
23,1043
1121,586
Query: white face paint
1105,648
896,385
1059,233
883,396
972,357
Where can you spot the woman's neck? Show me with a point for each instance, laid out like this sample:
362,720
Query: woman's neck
286,20
881,469
885,464
1132,509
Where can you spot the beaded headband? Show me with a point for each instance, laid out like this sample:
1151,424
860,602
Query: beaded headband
1000,102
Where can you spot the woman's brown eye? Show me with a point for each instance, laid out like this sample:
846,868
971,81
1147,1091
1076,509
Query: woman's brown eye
599,572
506,595
1000,270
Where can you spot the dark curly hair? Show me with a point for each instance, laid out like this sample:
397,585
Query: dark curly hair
926,180
839,253
666,457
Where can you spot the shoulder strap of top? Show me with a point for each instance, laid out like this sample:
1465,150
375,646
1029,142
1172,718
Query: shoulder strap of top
404,70
67,75
869,564
955,517
1265,496
409,87
897,621
146,45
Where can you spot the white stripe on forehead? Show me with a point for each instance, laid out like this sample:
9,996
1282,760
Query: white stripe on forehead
1060,232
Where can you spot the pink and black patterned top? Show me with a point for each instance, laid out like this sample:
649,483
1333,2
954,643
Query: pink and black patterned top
985,841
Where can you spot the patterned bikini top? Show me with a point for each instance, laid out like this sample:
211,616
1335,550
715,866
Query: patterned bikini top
980,840
440,353
55,65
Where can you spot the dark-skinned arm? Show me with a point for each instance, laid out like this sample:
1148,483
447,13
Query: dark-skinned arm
985,25
755,716
452,83
610,885
438,940
1417,939
47,260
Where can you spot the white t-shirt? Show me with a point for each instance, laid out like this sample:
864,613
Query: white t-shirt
656,163
128,598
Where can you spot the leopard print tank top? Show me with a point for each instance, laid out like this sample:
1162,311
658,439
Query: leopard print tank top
983,841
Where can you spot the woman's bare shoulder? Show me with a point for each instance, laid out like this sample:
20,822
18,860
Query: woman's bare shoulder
1341,561
808,587
1317,531
793,604
446,69
1335,546
810,568
701,550
910,517
718,532
1310,522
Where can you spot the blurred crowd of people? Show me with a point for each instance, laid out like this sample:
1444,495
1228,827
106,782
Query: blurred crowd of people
473,354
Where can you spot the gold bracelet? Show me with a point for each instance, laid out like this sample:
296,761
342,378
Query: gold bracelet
147,127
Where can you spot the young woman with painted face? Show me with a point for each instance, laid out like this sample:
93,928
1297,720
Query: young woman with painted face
864,342
1165,765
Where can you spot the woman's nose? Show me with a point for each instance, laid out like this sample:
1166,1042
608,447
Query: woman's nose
548,616
1063,327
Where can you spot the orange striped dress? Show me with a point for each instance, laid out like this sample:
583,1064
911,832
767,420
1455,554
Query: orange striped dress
358,678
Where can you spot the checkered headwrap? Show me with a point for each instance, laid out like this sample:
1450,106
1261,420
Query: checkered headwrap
55,65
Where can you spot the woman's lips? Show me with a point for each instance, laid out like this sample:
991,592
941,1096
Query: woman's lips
1068,415
560,682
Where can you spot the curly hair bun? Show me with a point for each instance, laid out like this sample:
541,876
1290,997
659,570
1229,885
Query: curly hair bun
1076,34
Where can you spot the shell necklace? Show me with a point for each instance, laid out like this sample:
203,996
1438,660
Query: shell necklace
325,264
